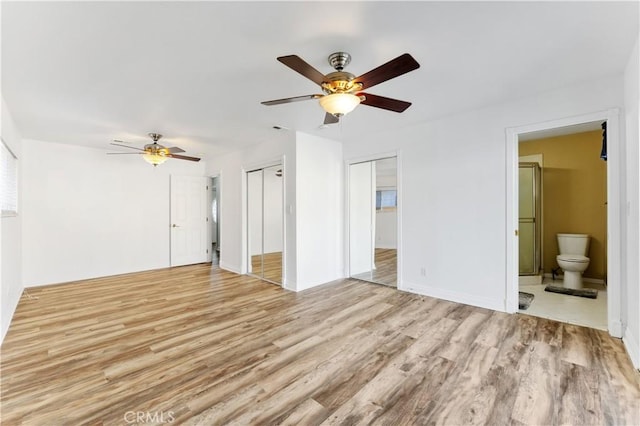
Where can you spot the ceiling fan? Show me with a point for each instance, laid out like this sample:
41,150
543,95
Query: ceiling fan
154,153
343,90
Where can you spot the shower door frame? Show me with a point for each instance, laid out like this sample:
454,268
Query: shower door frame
537,218
614,268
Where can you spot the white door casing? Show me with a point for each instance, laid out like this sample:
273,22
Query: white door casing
614,267
188,220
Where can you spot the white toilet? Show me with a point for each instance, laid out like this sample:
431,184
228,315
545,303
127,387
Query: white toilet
573,258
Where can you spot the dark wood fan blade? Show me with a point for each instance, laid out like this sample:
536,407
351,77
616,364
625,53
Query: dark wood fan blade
183,157
394,68
125,153
297,64
289,100
126,146
330,119
174,150
384,103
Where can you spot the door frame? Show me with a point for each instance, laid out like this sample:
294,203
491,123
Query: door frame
614,225
250,167
347,227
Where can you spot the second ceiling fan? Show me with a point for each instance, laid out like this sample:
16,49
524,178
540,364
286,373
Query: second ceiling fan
343,91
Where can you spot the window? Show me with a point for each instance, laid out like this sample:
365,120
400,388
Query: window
9,181
386,199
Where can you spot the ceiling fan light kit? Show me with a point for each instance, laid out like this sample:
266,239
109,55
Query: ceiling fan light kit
154,153
339,104
343,90
154,159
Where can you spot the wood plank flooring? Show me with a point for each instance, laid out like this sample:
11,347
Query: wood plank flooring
268,265
197,345
385,272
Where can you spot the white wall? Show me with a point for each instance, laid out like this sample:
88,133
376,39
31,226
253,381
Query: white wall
313,224
11,233
232,197
87,214
454,198
632,297
320,206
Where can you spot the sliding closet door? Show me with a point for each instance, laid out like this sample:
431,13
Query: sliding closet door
265,223
254,222
361,224
373,221
273,220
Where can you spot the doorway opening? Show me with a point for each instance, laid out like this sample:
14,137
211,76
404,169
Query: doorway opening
265,223
373,221
578,195
562,224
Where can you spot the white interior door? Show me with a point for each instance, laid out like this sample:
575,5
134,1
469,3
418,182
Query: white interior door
188,220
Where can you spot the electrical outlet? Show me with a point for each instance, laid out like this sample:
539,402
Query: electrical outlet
423,271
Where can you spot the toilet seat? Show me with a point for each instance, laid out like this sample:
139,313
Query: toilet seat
573,258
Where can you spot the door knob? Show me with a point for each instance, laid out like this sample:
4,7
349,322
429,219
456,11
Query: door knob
175,226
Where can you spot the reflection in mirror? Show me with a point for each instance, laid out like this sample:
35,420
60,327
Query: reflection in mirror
361,219
254,222
273,219
373,221
265,223
386,220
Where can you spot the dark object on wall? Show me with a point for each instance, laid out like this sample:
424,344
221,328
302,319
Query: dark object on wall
603,152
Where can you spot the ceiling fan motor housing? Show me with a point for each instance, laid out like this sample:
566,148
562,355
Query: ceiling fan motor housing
339,60
155,136
340,82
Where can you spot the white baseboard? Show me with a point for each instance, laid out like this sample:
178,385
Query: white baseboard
615,329
228,267
633,348
454,296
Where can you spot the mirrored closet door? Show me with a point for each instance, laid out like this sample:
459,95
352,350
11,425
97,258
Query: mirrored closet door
373,221
265,223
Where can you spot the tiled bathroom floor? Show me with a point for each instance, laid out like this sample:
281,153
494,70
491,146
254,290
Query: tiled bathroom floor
571,309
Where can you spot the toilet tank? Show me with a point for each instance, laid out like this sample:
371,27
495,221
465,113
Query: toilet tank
574,244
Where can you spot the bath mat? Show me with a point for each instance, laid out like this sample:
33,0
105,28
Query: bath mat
583,292
524,300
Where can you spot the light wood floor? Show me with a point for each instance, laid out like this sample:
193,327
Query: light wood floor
201,346
269,266
386,261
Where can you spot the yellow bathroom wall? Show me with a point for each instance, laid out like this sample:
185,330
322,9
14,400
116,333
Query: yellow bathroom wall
574,181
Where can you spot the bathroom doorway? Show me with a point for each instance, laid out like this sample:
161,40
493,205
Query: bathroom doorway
373,221
578,196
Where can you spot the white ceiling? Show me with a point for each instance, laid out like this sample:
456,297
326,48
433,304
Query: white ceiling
88,72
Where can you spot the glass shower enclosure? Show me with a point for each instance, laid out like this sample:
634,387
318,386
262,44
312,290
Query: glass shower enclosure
529,211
